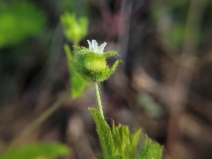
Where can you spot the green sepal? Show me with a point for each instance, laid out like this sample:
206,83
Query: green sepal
115,65
104,133
104,74
109,54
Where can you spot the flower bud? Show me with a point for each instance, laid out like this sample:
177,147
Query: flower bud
91,62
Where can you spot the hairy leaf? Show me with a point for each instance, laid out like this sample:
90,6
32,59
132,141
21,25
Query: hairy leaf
104,133
151,150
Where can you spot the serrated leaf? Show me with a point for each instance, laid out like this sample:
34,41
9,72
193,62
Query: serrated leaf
136,137
125,143
104,133
125,134
116,139
151,150
127,150
36,150
77,83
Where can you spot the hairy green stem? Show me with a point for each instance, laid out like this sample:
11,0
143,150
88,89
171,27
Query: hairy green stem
98,99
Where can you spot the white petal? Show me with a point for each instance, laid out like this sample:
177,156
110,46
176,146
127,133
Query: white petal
96,46
90,45
93,45
101,47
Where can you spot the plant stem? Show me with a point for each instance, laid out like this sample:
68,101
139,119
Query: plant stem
40,119
98,99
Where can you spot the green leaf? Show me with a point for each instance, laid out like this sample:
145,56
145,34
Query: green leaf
122,144
151,150
104,133
117,139
77,83
149,104
116,157
125,143
36,150
135,138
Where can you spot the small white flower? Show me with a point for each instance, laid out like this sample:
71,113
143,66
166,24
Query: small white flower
93,46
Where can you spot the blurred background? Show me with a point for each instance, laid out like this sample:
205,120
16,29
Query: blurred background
163,86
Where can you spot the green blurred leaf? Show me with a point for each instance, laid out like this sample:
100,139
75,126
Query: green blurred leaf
151,150
74,29
149,104
104,133
77,83
171,18
36,150
18,22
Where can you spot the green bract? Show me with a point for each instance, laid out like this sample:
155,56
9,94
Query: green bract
91,62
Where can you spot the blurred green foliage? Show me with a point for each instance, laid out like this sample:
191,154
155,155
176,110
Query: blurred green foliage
36,150
171,17
19,21
74,29
77,83
149,104
176,23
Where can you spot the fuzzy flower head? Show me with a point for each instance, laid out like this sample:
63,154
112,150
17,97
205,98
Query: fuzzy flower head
91,62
